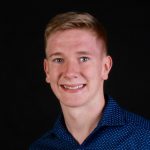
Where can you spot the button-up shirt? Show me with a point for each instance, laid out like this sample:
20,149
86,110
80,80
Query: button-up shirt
118,129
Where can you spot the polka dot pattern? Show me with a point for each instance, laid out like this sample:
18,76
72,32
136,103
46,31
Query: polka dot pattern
118,129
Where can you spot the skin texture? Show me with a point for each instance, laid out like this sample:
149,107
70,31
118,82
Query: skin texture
76,67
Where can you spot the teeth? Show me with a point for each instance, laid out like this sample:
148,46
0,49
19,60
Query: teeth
73,87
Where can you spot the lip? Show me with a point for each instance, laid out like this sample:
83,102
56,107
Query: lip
72,88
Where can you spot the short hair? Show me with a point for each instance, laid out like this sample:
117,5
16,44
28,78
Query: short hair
76,20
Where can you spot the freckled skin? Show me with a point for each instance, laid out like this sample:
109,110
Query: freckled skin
76,57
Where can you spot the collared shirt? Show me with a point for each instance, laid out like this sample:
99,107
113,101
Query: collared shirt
118,129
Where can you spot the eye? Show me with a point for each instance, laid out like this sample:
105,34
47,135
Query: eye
58,60
84,59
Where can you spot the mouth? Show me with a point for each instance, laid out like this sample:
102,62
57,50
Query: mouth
72,88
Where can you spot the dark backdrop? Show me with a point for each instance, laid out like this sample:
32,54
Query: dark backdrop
28,107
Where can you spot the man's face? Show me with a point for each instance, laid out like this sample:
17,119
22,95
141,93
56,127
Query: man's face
76,67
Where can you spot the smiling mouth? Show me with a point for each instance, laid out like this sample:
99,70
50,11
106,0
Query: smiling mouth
73,87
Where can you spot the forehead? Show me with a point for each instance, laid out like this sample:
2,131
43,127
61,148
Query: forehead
73,39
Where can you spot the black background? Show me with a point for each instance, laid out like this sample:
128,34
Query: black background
28,106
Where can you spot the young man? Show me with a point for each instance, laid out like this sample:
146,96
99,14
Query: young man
76,66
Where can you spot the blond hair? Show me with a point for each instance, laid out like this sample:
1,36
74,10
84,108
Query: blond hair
75,20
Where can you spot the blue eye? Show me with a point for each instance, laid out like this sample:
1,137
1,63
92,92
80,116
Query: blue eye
58,60
84,59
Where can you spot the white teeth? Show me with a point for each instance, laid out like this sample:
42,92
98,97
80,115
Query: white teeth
73,87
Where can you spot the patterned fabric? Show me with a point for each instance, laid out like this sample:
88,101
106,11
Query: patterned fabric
118,129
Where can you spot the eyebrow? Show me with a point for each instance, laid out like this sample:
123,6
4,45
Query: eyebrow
61,54
55,54
84,53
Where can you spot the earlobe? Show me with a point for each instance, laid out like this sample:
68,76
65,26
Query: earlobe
107,67
46,69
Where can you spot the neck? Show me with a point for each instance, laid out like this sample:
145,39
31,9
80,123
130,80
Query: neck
81,121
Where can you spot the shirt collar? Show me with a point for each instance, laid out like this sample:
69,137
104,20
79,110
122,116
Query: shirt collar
60,130
112,116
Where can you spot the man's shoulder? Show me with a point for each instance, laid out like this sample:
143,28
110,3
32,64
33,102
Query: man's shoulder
136,120
126,116
50,139
46,140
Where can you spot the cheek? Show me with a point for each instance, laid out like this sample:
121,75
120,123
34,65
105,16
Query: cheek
53,74
93,70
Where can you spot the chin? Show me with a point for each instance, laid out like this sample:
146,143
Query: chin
73,103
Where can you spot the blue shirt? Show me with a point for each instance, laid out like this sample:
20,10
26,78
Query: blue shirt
118,129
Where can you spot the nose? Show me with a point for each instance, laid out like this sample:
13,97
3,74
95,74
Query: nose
71,70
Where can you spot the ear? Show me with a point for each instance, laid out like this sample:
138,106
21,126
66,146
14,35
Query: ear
46,69
107,65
